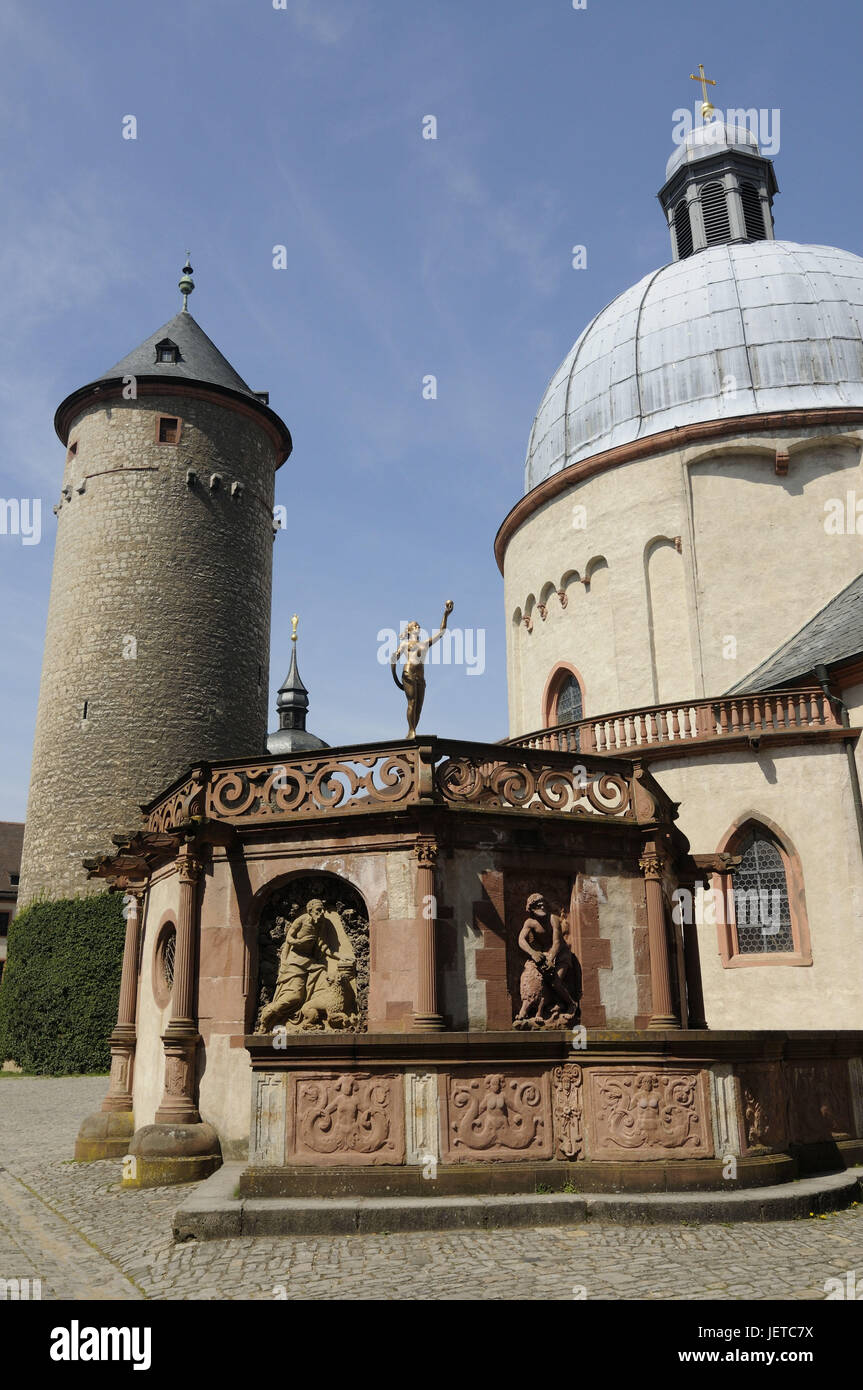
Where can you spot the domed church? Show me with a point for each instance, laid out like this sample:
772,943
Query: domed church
683,577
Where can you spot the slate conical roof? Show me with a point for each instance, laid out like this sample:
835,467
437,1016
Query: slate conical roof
200,359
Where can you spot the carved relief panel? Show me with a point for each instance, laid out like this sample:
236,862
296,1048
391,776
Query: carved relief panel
762,1108
568,1111
487,1116
819,1100
635,1113
346,1119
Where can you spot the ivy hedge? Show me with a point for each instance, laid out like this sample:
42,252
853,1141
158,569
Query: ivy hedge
61,983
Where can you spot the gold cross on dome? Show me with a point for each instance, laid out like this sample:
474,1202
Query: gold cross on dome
706,104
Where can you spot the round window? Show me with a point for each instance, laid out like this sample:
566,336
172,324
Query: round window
163,963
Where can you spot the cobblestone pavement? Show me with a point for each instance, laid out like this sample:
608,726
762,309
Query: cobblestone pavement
72,1226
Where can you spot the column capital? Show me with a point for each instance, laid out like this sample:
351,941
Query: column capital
189,866
426,852
650,865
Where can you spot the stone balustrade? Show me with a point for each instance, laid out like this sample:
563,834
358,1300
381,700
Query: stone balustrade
695,721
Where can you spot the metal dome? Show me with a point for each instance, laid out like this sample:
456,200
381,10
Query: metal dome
736,329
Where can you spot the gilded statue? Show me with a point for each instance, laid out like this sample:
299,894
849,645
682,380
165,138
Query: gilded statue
413,651
550,983
317,970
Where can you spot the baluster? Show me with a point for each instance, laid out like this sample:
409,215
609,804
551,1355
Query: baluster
814,711
756,714
768,713
801,709
723,718
780,713
744,714
663,728
673,724
735,718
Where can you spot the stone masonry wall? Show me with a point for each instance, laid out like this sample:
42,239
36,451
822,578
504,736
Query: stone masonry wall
159,619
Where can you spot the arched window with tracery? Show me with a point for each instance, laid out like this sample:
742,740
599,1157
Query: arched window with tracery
764,915
563,700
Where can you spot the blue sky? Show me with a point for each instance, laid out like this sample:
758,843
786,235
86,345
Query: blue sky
302,127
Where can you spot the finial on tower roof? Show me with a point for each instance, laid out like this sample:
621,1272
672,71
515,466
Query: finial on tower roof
708,111
294,621
186,284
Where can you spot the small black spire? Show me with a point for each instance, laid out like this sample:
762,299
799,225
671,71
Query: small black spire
292,704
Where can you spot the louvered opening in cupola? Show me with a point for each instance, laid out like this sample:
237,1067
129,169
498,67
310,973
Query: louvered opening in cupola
714,210
683,230
753,215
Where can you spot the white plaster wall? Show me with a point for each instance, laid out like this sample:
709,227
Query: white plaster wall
617,985
807,795
756,564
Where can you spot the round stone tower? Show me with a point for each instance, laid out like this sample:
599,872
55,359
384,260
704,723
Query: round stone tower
157,645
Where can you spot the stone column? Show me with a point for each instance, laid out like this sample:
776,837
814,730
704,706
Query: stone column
182,1037
662,1015
426,1016
123,1038
692,960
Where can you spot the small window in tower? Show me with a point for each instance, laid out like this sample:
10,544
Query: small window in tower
14,879
73,449
714,208
169,429
753,215
166,351
683,230
84,709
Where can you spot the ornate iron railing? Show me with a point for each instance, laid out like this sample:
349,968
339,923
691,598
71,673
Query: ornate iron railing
642,730
351,781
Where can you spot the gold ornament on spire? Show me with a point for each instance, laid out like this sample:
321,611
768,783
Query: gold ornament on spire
708,111
294,621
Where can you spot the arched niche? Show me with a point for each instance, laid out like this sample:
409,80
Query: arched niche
328,940
672,667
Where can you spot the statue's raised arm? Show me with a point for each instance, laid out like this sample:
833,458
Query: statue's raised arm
448,607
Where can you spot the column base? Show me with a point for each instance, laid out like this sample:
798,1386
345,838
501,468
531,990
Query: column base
663,1021
104,1135
161,1155
429,1023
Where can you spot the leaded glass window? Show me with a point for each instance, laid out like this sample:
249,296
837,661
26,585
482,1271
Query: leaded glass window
761,909
568,706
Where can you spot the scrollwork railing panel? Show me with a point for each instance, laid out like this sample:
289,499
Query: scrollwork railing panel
312,787
526,785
